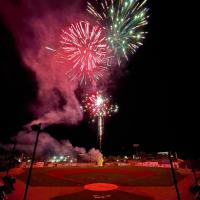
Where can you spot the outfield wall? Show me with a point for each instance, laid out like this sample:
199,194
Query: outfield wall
161,164
155,164
42,164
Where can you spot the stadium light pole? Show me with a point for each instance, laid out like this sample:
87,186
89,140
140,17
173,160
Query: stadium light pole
136,147
174,176
37,128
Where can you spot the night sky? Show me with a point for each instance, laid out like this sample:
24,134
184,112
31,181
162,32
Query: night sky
151,108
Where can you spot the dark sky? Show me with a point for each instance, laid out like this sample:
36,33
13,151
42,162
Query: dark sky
150,94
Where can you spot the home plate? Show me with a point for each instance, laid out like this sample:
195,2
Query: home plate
100,187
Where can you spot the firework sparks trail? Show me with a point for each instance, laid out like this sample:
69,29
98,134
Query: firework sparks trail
124,21
85,46
98,106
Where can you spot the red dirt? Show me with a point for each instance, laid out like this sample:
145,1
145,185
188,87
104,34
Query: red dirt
100,187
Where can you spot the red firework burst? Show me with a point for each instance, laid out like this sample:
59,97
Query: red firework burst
85,46
98,105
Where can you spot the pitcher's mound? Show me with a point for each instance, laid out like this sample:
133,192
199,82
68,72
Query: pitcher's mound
100,187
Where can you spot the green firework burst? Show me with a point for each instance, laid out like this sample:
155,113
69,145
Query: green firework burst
124,22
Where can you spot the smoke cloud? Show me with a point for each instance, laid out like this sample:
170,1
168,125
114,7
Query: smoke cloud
35,25
49,146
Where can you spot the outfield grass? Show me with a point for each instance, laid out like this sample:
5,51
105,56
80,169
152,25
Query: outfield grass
124,176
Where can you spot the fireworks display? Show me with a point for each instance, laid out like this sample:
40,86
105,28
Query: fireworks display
85,46
98,105
89,49
124,21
